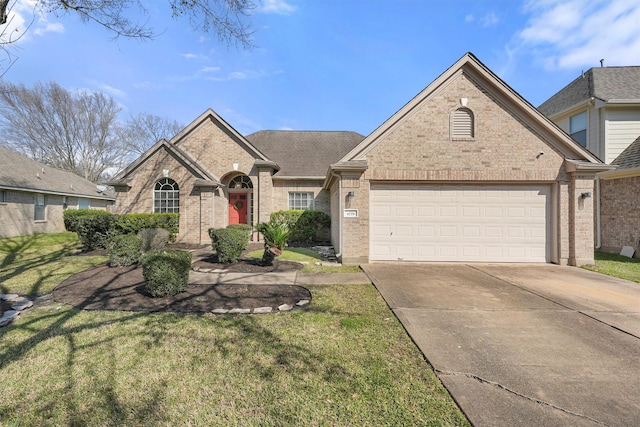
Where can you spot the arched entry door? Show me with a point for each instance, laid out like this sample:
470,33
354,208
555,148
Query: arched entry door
240,192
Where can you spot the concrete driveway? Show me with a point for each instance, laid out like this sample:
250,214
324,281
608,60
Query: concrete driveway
523,345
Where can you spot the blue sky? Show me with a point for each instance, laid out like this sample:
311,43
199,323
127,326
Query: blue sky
326,64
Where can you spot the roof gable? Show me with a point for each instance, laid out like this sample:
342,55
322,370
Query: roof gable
193,166
304,153
630,157
518,106
211,115
22,173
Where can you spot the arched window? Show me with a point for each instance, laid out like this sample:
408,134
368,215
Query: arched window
166,196
241,181
462,126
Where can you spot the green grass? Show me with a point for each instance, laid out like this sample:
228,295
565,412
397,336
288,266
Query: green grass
346,360
309,258
617,266
34,265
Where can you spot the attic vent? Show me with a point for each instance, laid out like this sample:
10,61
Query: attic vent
462,124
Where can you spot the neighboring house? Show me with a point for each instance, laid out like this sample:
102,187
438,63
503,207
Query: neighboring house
601,110
619,214
466,171
33,196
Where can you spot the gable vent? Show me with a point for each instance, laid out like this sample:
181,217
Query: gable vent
462,124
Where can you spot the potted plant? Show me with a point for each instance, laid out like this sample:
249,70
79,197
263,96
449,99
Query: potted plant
275,236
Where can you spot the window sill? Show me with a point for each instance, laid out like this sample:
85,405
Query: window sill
463,139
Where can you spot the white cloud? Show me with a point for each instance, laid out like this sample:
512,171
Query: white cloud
112,90
578,33
26,17
469,18
280,7
489,19
208,70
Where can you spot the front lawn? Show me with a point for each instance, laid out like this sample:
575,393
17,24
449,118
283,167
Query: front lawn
617,266
346,360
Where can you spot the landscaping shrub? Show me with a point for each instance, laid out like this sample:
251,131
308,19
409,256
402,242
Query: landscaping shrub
134,223
153,239
72,216
166,272
95,231
124,250
228,243
304,225
244,227
276,235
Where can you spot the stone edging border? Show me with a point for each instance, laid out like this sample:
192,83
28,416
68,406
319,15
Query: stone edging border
261,310
18,304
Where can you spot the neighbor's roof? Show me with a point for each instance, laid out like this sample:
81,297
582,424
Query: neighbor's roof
22,173
630,157
304,153
603,83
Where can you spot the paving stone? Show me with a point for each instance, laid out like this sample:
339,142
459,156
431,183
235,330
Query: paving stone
10,297
263,310
219,311
8,317
240,311
303,302
285,307
21,305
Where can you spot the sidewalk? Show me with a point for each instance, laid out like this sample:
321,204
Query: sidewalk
287,278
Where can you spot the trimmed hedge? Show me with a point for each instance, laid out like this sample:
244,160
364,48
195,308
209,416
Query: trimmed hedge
124,250
244,227
95,231
228,243
72,216
303,225
96,227
166,272
133,223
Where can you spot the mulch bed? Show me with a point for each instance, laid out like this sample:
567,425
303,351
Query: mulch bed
122,288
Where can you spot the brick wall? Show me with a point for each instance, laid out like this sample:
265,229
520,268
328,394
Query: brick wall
620,213
419,149
281,189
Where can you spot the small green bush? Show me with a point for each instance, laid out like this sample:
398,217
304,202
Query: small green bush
303,225
243,227
72,216
95,231
228,243
124,250
153,239
166,272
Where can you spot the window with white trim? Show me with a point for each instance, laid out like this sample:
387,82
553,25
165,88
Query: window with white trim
40,207
301,200
166,196
578,128
462,124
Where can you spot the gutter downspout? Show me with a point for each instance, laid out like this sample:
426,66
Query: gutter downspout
598,224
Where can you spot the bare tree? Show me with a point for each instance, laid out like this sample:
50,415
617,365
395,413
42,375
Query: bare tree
227,18
71,131
143,130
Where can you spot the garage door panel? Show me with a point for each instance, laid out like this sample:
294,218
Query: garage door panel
460,223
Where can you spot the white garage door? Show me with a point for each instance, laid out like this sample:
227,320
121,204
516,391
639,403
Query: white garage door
460,223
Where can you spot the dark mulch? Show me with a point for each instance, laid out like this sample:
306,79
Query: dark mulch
122,288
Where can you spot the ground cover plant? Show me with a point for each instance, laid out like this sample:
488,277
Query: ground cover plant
345,360
617,266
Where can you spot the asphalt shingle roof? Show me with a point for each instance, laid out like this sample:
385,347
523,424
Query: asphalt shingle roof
605,83
304,153
630,157
20,172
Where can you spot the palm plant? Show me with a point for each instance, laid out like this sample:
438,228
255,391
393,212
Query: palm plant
276,235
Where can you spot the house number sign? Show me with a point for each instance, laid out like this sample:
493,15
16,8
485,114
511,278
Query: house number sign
351,213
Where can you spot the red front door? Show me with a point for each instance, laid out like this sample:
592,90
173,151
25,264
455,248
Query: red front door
238,203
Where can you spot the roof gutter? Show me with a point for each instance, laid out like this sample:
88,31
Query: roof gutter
57,193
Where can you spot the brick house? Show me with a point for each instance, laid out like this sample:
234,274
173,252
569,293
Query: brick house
33,196
619,217
466,171
601,110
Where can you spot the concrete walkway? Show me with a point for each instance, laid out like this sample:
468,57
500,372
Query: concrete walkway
524,345
285,278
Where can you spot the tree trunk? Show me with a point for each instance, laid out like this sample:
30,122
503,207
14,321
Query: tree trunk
270,253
